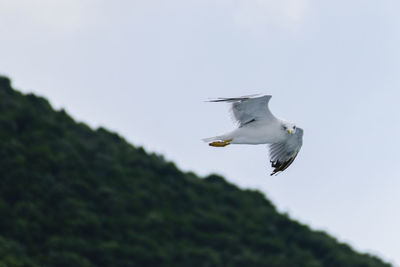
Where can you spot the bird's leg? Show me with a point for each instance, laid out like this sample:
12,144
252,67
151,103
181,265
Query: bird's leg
220,143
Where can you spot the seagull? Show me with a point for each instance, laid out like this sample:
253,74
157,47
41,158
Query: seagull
257,125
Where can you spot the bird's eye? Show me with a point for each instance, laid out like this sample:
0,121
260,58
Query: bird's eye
284,128
294,127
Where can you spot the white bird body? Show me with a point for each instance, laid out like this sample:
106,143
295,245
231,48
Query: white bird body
257,125
256,133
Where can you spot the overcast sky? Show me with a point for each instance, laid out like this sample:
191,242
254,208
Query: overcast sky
144,69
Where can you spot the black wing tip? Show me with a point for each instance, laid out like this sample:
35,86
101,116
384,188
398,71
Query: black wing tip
225,99
234,99
281,166
216,100
275,172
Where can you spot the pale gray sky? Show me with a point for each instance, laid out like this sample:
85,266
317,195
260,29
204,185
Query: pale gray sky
144,68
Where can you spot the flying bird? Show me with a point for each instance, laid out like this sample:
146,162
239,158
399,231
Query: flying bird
257,125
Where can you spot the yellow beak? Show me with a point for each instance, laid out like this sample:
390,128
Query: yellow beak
289,131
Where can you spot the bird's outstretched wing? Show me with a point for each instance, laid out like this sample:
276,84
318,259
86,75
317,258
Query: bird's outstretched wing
283,154
250,108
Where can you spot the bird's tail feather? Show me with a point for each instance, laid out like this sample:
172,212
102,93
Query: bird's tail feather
212,139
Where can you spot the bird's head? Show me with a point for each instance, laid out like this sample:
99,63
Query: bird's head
290,128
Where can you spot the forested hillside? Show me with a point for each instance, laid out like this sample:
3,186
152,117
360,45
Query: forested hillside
73,196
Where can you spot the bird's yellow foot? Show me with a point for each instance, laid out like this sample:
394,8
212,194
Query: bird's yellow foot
220,143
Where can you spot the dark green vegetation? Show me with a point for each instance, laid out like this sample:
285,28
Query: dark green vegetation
72,196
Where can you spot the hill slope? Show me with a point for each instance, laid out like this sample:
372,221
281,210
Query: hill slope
72,196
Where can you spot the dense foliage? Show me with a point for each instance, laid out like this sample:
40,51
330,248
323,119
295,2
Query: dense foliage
72,196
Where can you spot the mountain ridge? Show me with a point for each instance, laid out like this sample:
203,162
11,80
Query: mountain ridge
73,196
